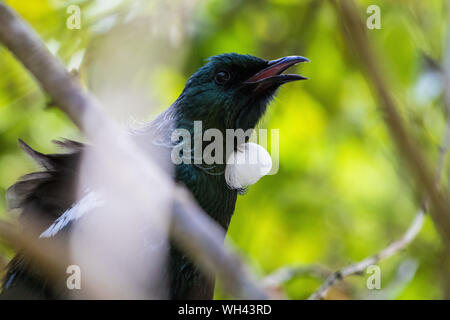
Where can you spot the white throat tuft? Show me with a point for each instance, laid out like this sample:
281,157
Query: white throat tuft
245,166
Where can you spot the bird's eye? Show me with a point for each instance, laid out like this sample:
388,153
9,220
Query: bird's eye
222,77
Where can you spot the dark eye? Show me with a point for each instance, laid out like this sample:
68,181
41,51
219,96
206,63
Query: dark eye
222,77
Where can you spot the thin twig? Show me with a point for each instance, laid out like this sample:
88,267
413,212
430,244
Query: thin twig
396,246
286,273
358,268
348,15
274,281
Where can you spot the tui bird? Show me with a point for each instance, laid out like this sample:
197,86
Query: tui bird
231,91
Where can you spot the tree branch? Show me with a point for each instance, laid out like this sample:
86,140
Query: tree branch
284,274
355,33
358,268
51,257
192,230
352,21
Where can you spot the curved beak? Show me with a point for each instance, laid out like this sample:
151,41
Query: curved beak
273,73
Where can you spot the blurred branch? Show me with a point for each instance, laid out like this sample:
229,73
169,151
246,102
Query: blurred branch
396,246
355,32
202,239
445,252
351,21
405,274
284,274
274,281
50,256
192,230
53,258
358,268
3,262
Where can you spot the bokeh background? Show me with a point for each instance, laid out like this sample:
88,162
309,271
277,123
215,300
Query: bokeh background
341,193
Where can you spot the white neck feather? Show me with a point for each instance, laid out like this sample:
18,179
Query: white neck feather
245,166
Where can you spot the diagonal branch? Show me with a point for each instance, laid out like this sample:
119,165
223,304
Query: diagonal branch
358,268
396,246
356,36
351,20
192,230
284,274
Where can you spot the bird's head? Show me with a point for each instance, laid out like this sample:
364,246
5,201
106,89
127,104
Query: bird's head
232,90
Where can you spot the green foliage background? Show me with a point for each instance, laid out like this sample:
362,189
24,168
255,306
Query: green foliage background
342,192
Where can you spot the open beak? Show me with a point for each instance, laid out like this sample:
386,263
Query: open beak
273,73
